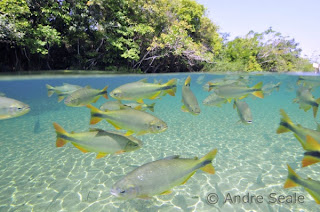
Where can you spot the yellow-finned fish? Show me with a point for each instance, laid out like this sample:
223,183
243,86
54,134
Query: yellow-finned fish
300,132
134,121
137,91
99,141
234,91
10,108
244,111
62,91
139,106
214,100
189,100
310,81
221,82
85,96
159,177
116,105
311,186
306,100
111,105
268,88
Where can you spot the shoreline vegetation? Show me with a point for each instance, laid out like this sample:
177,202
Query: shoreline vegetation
134,36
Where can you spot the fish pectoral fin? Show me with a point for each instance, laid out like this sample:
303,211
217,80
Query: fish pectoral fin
80,148
96,99
166,192
129,132
101,155
184,108
313,195
184,182
115,125
309,160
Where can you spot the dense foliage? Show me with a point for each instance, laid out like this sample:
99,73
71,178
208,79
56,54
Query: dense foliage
137,35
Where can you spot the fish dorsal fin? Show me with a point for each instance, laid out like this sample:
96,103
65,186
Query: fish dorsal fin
66,83
88,86
144,80
171,157
188,81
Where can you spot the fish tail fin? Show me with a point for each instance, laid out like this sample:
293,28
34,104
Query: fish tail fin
151,107
188,81
94,114
234,104
50,90
207,162
172,83
292,176
284,123
259,92
104,92
61,134
60,96
309,160
315,108
210,85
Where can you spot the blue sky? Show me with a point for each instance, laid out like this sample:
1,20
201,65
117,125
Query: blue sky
298,19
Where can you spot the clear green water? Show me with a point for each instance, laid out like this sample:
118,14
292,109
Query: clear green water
37,176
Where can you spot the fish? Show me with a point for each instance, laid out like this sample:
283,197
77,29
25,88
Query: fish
111,105
85,96
139,106
2,94
137,91
134,121
200,79
62,91
220,82
98,141
308,81
306,100
244,111
268,88
159,177
10,108
234,91
189,100
115,105
310,158
311,186
300,132
214,100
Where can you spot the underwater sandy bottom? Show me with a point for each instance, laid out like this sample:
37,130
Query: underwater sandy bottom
37,176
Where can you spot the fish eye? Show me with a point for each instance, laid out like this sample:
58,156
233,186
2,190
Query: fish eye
122,192
158,127
249,122
19,108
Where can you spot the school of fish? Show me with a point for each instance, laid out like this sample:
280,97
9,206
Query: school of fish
127,111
